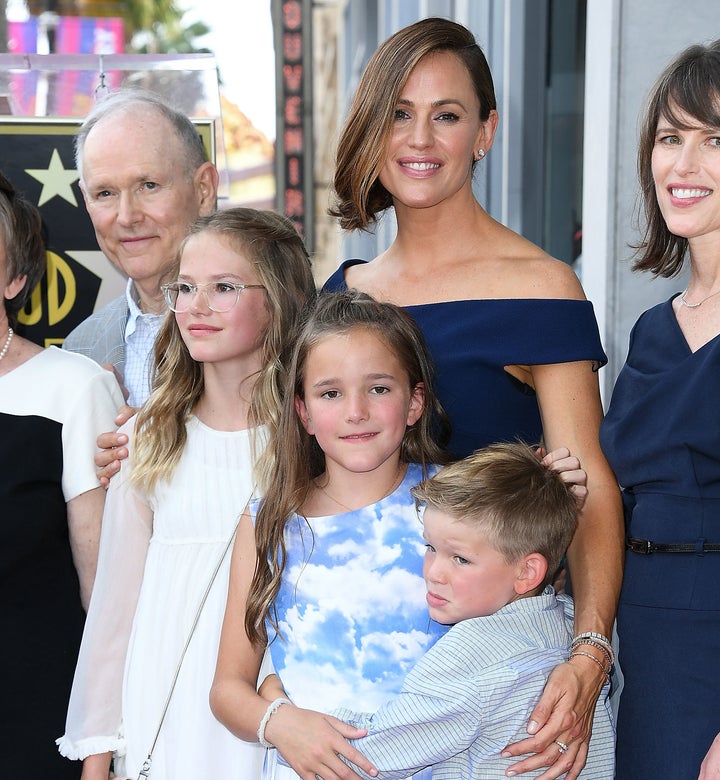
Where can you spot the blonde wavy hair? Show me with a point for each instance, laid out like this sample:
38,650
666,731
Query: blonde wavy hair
505,491
272,244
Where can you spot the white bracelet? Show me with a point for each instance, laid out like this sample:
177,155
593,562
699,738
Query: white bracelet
266,717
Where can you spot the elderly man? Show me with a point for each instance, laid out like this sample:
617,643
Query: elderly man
145,178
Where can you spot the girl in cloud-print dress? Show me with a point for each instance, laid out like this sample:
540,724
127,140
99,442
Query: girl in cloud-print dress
352,600
338,590
352,605
348,617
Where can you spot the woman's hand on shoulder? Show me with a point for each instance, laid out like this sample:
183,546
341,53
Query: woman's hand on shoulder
312,743
562,718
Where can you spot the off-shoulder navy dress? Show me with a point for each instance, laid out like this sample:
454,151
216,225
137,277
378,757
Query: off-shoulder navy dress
661,435
471,341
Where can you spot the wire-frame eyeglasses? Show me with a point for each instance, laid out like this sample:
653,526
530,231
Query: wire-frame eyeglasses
219,296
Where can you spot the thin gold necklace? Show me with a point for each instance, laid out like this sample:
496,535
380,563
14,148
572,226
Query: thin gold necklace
398,479
699,303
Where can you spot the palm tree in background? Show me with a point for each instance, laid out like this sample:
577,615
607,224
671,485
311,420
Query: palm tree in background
156,26
151,26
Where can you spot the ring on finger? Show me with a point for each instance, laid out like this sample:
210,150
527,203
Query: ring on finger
562,747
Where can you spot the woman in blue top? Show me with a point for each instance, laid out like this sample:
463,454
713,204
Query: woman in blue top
514,341
662,437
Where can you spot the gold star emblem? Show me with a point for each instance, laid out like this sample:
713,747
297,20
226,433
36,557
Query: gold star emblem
56,180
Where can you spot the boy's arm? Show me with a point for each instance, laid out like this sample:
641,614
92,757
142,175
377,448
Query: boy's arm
439,712
474,689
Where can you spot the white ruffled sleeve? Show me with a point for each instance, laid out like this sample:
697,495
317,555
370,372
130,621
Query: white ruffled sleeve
94,720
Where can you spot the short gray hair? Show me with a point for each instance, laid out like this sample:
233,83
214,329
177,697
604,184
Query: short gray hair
127,99
21,236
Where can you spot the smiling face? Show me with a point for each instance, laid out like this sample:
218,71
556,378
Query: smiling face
357,401
436,132
232,337
139,195
686,172
465,576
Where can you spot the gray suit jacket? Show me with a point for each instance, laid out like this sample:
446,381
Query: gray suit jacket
102,335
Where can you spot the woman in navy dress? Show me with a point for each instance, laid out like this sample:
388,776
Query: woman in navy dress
515,343
662,437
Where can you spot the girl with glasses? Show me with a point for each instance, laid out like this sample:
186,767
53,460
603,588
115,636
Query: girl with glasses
197,456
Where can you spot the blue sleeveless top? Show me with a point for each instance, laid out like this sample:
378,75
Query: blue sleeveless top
351,606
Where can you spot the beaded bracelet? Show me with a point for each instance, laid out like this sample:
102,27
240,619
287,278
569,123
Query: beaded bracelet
610,657
593,635
597,661
266,717
600,639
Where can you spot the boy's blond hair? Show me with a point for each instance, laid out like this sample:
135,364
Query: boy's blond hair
521,505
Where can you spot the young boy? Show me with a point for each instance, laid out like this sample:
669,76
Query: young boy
496,526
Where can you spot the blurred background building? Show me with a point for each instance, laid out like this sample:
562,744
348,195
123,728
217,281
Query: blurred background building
570,76
146,28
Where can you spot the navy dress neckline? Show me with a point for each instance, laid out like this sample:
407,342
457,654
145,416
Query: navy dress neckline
471,341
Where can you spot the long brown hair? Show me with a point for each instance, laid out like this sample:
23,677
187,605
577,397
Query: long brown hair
362,148
272,244
689,85
298,458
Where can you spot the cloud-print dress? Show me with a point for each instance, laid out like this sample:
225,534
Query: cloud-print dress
351,607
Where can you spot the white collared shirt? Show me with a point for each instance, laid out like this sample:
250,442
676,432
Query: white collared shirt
140,333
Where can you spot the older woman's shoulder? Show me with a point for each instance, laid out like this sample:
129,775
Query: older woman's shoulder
78,372
70,363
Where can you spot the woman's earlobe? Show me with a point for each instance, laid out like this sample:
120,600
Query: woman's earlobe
15,287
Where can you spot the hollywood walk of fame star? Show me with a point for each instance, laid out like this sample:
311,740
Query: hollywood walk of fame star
56,180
